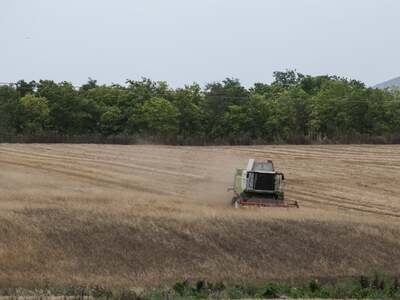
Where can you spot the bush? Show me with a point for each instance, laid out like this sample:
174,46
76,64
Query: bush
271,291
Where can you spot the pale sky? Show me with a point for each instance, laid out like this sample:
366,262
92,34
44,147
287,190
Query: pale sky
185,41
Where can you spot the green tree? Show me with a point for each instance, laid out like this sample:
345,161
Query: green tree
34,114
64,105
379,113
9,103
269,91
219,96
287,78
293,110
159,117
87,118
111,121
145,89
189,102
236,122
70,110
24,88
335,111
393,113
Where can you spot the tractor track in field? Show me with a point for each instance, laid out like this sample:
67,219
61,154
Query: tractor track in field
89,177
359,208
45,158
340,201
310,170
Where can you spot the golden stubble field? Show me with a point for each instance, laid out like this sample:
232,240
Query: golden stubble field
147,215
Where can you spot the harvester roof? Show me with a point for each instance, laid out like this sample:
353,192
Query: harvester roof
260,166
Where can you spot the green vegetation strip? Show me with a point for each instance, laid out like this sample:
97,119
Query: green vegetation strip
375,287
294,108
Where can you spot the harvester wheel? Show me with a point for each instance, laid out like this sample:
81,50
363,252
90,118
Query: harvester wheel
235,201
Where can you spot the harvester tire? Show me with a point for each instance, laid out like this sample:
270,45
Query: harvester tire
235,201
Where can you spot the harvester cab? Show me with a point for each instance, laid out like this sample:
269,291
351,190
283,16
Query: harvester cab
260,185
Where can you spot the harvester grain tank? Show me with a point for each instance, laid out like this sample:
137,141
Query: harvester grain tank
260,185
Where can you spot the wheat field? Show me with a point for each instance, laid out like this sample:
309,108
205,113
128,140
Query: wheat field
147,215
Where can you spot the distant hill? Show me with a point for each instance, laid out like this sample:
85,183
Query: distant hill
392,83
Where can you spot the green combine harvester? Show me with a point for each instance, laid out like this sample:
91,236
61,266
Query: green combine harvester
260,185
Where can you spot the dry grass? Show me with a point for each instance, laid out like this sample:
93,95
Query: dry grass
148,215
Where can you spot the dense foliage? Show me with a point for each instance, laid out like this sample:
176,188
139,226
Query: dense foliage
295,108
376,287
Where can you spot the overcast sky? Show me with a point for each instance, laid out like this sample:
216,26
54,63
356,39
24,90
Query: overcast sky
185,41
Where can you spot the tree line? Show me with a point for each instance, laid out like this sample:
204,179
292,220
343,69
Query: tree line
294,108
